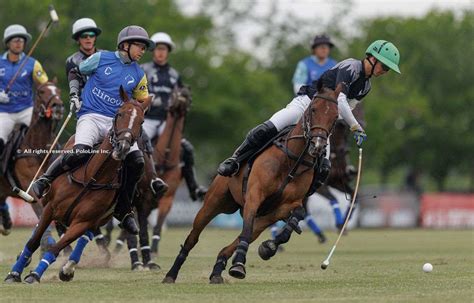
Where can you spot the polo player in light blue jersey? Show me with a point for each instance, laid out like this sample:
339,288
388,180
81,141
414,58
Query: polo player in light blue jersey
312,67
96,109
16,102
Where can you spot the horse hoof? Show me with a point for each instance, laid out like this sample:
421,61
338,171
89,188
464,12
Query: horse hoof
322,239
13,277
168,280
237,271
216,280
32,278
137,266
5,232
267,249
65,277
152,266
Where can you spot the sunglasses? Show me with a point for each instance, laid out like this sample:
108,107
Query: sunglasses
140,45
385,67
87,35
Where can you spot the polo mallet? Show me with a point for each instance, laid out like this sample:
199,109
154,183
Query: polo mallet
325,263
54,19
24,194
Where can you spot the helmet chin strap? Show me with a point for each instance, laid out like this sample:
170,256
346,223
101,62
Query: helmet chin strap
128,53
371,64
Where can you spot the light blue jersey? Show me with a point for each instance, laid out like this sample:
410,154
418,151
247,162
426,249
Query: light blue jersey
309,70
107,72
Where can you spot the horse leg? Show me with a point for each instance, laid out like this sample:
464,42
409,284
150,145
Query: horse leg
120,241
47,240
163,209
261,223
101,244
61,231
66,273
253,199
214,204
268,248
133,251
31,246
144,240
108,231
74,231
5,219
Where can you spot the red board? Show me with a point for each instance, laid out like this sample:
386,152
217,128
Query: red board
442,210
21,212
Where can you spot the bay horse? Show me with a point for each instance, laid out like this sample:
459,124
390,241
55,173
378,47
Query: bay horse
279,179
88,202
166,153
48,111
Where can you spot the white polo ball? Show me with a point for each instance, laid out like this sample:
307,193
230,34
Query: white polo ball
427,267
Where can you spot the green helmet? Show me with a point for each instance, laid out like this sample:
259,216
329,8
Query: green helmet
385,52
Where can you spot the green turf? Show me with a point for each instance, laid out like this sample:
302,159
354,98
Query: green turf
369,266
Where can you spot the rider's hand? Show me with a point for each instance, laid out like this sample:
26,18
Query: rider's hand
4,97
359,134
74,98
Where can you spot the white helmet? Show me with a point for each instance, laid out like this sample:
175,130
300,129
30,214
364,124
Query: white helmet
83,25
163,38
15,30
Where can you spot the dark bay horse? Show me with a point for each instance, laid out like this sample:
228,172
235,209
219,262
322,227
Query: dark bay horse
47,113
277,183
167,156
87,203
166,153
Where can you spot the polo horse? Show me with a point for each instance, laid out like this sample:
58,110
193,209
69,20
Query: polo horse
22,156
268,188
84,199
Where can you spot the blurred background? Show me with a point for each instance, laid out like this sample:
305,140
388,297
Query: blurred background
239,58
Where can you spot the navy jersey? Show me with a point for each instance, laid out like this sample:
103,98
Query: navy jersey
348,73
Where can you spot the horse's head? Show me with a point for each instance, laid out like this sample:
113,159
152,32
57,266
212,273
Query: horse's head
48,103
180,101
126,126
319,120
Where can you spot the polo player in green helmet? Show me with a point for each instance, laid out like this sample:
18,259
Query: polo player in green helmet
353,78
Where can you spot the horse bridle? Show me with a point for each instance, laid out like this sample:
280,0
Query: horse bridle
46,111
308,128
114,134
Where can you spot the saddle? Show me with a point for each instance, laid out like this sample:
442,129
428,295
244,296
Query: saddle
11,153
279,142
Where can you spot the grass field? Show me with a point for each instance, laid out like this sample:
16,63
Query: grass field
369,266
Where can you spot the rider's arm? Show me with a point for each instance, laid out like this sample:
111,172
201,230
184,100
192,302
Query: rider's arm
39,75
345,112
89,65
300,77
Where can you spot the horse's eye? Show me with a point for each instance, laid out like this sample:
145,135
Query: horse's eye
41,92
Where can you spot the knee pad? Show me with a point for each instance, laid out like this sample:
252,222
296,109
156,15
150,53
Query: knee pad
135,162
262,133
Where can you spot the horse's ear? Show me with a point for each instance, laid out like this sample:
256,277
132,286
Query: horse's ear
55,80
123,94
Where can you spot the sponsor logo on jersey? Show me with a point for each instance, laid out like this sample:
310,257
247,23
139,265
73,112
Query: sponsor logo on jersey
108,70
2,72
103,96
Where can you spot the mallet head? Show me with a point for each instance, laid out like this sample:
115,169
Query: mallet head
53,14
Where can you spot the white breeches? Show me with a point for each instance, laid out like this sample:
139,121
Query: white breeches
9,120
153,128
92,129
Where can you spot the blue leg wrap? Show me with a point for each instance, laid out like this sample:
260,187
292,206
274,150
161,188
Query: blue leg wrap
337,212
22,260
312,224
48,259
80,246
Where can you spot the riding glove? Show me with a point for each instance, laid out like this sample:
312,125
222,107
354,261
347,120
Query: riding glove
74,98
359,134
